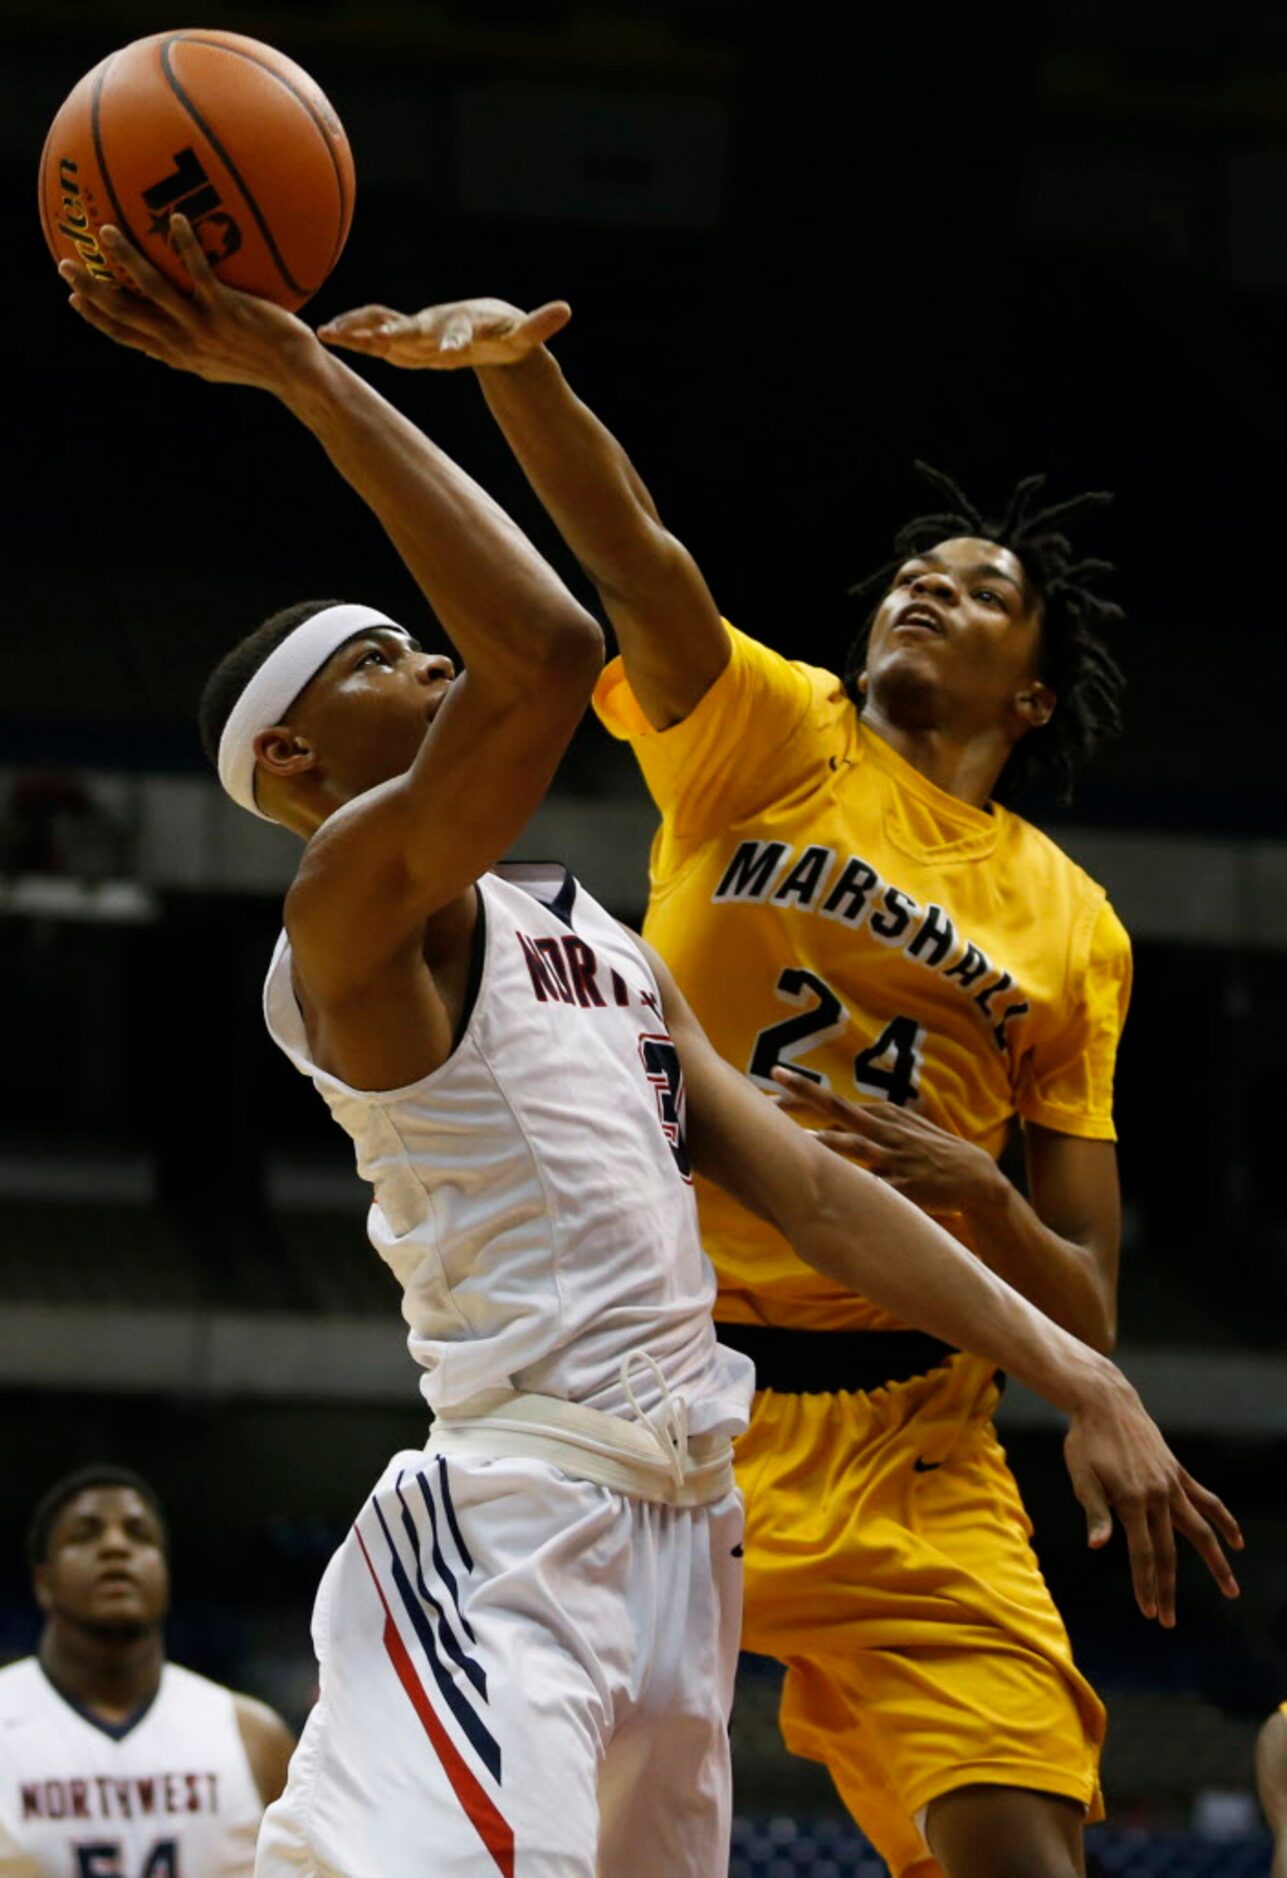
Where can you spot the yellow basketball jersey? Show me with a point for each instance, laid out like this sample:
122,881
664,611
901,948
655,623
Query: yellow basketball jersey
825,906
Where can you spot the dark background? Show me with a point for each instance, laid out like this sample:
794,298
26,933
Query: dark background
801,251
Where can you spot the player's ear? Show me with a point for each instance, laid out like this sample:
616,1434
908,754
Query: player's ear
40,1586
283,751
863,682
1035,704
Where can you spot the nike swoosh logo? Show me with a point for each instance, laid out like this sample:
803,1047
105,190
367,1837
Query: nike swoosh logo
925,1467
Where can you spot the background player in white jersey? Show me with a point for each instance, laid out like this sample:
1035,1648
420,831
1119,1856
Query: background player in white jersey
527,1642
113,1762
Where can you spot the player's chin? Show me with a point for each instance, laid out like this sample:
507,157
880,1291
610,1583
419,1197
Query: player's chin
902,647
911,675
120,1617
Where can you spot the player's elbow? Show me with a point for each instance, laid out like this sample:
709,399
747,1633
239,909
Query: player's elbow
570,655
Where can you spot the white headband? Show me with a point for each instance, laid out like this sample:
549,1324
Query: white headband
276,685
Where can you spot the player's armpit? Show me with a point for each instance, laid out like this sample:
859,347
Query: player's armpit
268,1742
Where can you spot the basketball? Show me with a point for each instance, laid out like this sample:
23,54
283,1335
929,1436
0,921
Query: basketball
220,127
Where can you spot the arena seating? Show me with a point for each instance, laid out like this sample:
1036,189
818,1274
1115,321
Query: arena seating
830,1848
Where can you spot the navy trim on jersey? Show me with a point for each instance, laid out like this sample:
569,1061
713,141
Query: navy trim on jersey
562,903
115,1731
484,1743
537,879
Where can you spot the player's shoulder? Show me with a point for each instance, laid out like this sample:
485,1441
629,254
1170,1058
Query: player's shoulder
807,704
1034,848
1052,877
826,686
190,1688
24,1692
19,1679
256,1718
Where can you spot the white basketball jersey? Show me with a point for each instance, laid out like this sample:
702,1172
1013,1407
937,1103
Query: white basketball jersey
532,1195
170,1795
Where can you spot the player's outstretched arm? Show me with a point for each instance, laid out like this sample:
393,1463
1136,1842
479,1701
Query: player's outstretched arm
673,641
848,1224
398,854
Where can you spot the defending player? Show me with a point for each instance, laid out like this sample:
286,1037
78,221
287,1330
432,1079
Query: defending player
839,897
527,1642
115,1763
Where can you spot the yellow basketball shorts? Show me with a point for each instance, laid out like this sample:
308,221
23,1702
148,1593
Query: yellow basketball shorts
888,1565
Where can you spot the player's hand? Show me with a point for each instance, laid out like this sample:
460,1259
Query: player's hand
217,333
1120,1463
936,1170
446,338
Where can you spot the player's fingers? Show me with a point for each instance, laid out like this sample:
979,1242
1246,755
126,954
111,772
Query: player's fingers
1093,1501
1212,1508
206,285
891,1123
1205,1543
94,314
812,1095
365,328
1162,1537
544,322
852,1147
149,280
455,331
123,309
803,1090
359,319
1139,1539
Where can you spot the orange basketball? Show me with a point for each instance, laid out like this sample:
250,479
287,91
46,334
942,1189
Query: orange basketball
220,127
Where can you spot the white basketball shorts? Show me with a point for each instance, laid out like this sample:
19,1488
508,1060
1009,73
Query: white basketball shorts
521,1673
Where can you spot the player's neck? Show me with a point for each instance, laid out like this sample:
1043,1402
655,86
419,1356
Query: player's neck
963,766
112,1676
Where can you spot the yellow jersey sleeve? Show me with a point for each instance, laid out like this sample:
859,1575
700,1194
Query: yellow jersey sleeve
736,753
1066,1082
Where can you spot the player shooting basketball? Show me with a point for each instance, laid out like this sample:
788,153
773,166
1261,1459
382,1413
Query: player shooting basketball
528,1639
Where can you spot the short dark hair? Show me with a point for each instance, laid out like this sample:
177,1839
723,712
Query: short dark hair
236,669
1074,661
97,1474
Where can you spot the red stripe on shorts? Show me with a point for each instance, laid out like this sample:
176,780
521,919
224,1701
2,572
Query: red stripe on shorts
492,1829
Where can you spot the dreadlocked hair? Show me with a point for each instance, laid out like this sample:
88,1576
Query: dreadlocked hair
1073,660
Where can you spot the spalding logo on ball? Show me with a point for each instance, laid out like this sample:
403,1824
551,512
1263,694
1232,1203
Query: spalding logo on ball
225,130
